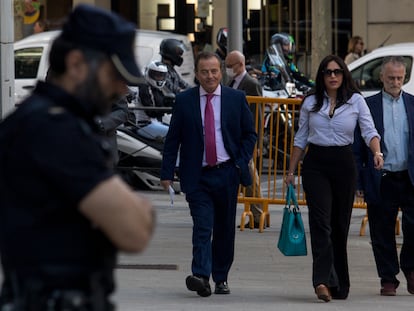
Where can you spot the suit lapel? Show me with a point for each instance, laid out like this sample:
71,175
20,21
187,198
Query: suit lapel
241,84
378,114
225,101
409,108
195,99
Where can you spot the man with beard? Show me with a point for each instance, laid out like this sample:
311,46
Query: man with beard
63,212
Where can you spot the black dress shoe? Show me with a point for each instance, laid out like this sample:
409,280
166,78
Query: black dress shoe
199,285
222,288
410,281
339,293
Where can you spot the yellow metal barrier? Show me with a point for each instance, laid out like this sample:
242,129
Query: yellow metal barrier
276,120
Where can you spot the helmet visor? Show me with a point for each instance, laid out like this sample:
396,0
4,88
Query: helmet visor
158,77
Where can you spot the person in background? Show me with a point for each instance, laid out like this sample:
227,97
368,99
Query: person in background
239,79
355,49
212,130
153,94
286,44
67,212
108,123
40,26
171,51
327,122
221,41
235,63
392,189
221,51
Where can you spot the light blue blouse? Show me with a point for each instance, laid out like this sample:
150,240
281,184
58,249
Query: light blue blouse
320,129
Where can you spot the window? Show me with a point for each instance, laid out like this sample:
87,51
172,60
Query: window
26,62
367,76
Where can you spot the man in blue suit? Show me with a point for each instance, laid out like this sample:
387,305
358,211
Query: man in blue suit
385,192
210,179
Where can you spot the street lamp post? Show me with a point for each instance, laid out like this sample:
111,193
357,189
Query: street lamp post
6,57
235,25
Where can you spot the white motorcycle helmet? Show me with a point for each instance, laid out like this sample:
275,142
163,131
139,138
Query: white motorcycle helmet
156,74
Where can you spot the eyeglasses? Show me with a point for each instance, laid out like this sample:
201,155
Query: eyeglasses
336,72
231,65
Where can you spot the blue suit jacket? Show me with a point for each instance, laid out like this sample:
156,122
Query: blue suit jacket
186,136
370,178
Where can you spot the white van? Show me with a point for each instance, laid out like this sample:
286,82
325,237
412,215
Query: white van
366,69
31,57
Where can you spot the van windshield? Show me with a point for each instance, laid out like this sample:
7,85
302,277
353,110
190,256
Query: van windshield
26,62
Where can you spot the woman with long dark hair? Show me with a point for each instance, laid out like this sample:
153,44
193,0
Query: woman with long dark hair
327,121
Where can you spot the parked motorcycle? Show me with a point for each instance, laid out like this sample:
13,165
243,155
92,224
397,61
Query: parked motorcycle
140,156
280,123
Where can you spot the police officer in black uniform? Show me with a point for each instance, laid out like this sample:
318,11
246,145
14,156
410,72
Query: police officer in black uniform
63,212
171,51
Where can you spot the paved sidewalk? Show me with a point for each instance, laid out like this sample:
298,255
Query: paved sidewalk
261,277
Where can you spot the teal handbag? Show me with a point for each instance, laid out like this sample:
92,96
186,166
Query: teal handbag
292,238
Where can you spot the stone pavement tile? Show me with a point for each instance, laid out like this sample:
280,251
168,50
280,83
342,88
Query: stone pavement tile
261,277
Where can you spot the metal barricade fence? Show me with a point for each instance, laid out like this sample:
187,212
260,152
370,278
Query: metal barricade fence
276,120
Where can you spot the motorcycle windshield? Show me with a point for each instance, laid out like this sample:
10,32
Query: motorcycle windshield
276,57
277,60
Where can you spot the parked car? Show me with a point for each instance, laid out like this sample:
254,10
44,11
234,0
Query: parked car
366,70
31,57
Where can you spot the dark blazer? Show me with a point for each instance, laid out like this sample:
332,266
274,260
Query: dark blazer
370,178
250,86
186,136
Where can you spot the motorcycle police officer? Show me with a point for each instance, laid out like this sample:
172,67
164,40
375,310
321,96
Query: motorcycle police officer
64,214
153,94
286,44
171,51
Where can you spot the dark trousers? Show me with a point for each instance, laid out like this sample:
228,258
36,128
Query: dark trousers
397,191
213,209
329,181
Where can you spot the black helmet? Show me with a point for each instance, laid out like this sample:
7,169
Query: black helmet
286,43
172,49
221,39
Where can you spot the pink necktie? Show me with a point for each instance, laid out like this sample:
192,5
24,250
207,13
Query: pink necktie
210,132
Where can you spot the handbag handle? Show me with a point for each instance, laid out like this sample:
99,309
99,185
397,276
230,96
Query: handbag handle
291,197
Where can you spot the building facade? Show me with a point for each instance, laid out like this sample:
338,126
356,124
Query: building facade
379,22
